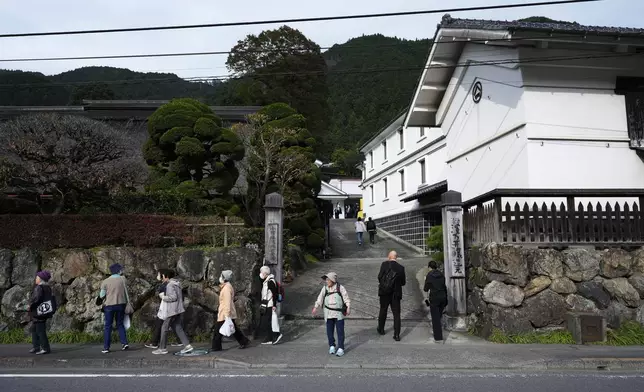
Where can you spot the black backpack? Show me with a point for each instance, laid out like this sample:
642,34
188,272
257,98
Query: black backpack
388,281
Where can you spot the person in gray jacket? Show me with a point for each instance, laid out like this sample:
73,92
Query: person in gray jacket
171,312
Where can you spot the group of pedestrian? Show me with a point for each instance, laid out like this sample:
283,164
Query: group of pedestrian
362,228
333,299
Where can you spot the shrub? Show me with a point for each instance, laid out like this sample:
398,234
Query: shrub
434,242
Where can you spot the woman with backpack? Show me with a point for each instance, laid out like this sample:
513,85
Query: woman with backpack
268,324
337,305
42,307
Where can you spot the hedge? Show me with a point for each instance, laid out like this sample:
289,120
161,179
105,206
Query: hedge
86,231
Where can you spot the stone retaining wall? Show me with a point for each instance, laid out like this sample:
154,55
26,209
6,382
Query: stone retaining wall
77,274
522,290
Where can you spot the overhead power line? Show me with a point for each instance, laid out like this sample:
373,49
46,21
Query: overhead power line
343,72
295,20
185,54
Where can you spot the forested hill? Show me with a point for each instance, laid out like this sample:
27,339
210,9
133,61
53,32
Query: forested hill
35,89
371,79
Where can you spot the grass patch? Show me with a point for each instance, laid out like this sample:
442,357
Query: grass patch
552,337
631,333
311,259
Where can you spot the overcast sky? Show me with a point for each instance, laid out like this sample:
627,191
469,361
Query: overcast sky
48,15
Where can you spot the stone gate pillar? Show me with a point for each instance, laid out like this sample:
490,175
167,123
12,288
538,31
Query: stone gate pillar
452,211
273,240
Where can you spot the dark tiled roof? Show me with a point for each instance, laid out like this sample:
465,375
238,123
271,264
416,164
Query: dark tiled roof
449,22
427,191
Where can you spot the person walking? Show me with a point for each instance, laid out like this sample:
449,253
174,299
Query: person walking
371,228
360,230
391,280
42,307
435,285
268,324
115,300
227,310
335,300
158,323
171,312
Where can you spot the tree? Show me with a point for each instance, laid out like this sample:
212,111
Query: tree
283,65
95,91
69,157
280,158
191,153
347,161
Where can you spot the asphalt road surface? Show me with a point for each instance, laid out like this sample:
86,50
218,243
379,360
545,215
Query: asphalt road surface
305,381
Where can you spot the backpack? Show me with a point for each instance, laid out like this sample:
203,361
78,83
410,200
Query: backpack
47,308
280,292
388,281
344,306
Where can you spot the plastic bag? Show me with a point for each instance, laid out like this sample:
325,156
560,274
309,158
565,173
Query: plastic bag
228,328
126,322
275,325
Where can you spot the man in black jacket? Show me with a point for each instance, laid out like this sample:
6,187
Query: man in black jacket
391,280
371,228
435,284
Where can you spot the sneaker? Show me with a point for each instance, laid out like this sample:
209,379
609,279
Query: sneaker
105,351
277,340
125,347
34,350
187,349
340,352
332,350
176,345
150,345
266,342
160,351
42,352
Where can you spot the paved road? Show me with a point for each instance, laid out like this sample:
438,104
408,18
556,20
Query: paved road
362,381
344,243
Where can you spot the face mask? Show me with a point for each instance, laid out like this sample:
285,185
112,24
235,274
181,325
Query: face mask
261,276
221,280
159,277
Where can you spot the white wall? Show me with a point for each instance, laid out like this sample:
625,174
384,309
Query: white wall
485,140
577,131
417,147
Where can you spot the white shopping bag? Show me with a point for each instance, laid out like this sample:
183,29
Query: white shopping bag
275,325
126,322
228,328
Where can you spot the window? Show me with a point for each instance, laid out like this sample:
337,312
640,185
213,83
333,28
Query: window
423,177
384,150
373,199
402,181
401,138
384,182
371,159
422,132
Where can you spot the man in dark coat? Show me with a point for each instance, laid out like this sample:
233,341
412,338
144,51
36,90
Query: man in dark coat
371,228
435,284
391,280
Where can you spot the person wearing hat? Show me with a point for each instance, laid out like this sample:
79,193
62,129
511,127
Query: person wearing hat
335,300
42,306
115,299
227,310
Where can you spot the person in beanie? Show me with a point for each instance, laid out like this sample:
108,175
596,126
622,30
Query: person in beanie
171,312
114,293
227,310
268,307
435,284
335,300
42,301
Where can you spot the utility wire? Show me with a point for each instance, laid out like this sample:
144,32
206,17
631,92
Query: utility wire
332,73
295,20
279,51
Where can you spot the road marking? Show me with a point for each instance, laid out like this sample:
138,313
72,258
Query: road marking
107,375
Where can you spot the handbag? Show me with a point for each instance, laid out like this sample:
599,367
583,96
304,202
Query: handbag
128,306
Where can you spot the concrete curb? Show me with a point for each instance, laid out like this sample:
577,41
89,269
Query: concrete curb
219,363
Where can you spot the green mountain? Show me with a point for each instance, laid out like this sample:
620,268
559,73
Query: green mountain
35,89
371,79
